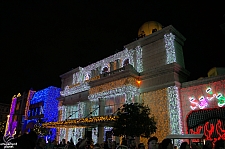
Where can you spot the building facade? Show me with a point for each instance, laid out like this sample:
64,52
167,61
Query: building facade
43,107
91,95
17,114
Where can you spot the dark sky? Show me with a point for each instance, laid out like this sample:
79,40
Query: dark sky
42,40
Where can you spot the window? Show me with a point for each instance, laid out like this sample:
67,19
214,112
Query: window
125,62
18,106
105,69
112,104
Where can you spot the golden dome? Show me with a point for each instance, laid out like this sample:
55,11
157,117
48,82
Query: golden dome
148,28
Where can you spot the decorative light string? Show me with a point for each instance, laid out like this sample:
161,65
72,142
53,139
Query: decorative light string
139,59
80,122
170,49
76,89
29,97
115,84
174,111
50,109
201,98
127,89
10,125
82,77
157,101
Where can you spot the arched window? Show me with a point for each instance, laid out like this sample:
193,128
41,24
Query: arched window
125,62
105,69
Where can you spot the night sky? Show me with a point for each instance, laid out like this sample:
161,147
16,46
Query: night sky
42,40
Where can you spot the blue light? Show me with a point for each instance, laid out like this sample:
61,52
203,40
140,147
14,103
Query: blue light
50,107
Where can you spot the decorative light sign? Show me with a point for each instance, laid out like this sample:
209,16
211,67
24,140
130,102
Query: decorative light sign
209,122
203,102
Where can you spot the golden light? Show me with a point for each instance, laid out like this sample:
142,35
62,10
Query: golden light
138,82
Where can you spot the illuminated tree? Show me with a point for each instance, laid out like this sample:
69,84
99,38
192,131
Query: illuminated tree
41,130
134,120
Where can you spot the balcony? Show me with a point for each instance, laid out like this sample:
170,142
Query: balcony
126,71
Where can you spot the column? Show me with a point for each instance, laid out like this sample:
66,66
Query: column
101,113
101,107
100,134
111,66
118,63
93,73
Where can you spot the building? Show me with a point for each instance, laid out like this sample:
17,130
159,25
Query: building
42,107
91,94
202,103
4,111
150,70
17,113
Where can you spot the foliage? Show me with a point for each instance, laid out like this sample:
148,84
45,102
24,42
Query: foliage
2,127
41,130
134,120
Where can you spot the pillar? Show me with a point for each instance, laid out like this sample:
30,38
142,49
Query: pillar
100,134
118,63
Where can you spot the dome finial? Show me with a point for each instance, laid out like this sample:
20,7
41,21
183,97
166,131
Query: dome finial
148,28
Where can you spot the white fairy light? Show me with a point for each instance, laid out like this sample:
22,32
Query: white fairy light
170,49
76,89
115,92
174,111
80,77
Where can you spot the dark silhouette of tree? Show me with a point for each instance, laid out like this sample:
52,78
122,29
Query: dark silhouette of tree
134,120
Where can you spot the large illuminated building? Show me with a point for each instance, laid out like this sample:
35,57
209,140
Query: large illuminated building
149,70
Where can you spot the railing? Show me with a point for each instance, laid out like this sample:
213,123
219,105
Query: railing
127,67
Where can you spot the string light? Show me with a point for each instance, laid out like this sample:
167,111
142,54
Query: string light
174,111
210,122
50,109
11,125
81,121
84,75
160,112
204,94
128,90
115,88
76,89
170,49
29,97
